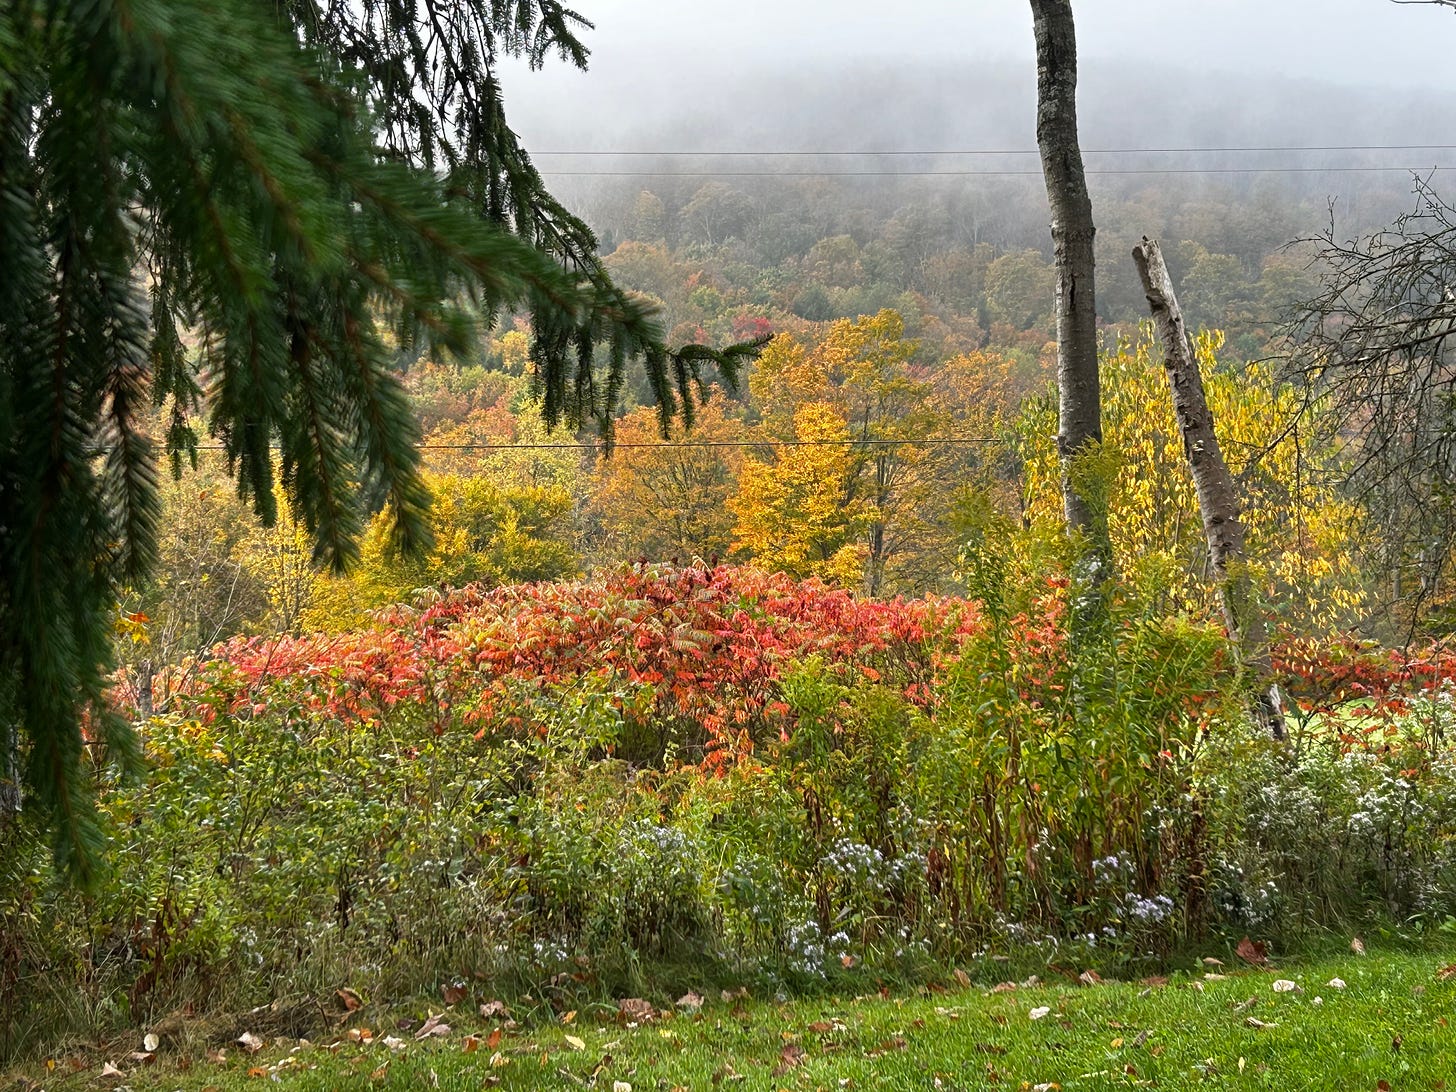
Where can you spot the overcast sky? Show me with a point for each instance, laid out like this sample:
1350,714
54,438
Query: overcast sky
1381,40
655,56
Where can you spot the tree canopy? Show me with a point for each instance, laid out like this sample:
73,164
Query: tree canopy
243,213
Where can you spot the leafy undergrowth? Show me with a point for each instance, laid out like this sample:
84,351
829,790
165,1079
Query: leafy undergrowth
1377,1021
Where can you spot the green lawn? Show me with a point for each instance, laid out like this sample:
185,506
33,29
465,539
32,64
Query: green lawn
1389,1024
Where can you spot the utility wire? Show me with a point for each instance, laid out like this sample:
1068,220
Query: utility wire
1004,151
550,173
575,446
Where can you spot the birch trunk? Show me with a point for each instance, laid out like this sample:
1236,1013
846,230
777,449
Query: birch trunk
1078,383
1218,499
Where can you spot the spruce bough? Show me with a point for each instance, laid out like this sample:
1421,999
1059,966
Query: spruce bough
244,213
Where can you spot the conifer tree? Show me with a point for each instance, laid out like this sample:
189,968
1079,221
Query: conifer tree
239,212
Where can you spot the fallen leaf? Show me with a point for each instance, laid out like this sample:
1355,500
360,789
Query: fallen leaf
575,1043
1211,962
109,1070
1255,1022
494,1008
435,1026
1283,985
470,1044
791,1056
394,1043
351,1001
1336,983
1357,946
258,1071
568,1017
1039,1012
963,979
634,1008
454,993
1089,977
250,1042
1252,951
621,1086
690,1001
1382,1085
1446,972
493,1039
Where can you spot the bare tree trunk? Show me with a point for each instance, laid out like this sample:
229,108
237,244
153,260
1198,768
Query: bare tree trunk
1218,499
11,797
1078,382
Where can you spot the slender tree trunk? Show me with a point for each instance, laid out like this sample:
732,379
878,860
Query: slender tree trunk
1078,382
1218,498
10,794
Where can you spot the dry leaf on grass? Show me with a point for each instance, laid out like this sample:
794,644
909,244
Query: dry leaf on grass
1253,951
435,1026
634,1008
791,1056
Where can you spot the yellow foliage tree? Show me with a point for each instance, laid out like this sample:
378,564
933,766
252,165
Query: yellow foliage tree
1301,534
661,501
484,532
800,512
900,486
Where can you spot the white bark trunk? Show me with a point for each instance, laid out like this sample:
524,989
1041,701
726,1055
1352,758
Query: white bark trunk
1218,500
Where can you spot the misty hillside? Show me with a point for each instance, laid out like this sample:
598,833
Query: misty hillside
1221,199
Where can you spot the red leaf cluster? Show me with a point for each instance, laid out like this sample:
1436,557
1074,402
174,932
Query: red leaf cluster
701,646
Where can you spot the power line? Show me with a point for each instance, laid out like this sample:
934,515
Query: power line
683,152
574,446
716,443
548,172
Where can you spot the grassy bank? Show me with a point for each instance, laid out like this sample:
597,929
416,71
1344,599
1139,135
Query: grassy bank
1221,1026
